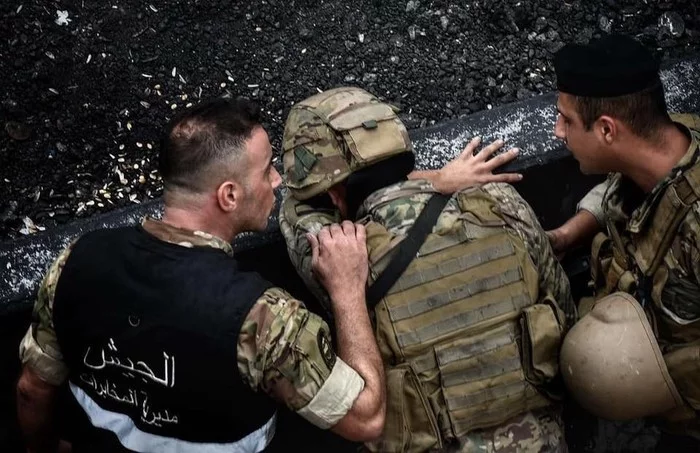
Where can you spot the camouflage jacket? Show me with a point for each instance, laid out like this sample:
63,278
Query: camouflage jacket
533,431
279,346
617,199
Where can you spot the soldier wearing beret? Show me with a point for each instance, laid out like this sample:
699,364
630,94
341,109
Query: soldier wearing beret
167,346
636,351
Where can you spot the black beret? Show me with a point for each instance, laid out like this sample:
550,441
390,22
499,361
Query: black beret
614,65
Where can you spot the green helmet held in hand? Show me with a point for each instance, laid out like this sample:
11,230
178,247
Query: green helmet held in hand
332,134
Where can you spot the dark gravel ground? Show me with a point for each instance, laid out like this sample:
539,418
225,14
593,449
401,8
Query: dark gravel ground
87,85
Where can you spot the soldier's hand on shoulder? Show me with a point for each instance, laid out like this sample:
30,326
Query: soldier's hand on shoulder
339,257
469,169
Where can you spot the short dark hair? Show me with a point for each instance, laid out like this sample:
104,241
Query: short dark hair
201,138
644,111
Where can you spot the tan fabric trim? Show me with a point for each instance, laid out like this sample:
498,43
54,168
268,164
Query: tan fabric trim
593,202
335,398
48,368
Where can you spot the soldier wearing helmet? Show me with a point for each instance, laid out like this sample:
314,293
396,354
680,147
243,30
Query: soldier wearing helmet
468,302
637,352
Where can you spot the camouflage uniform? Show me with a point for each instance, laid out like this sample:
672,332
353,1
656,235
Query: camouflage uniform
283,349
607,202
674,307
534,431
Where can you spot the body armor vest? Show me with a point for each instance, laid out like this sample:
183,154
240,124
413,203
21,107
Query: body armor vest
149,331
640,264
467,340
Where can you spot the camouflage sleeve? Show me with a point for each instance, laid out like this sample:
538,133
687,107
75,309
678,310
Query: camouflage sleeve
296,219
680,298
690,120
520,216
593,202
39,348
285,351
691,243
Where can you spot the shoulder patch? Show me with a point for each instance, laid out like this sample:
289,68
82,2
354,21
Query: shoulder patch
324,345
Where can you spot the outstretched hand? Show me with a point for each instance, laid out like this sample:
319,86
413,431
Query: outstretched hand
469,169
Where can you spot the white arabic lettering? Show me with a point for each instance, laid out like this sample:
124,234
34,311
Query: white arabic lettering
109,390
141,367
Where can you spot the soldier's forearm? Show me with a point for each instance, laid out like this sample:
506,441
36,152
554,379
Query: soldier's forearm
35,404
358,348
575,232
431,176
435,177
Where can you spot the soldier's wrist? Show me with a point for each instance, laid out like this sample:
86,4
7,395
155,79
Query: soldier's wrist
351,297
439,184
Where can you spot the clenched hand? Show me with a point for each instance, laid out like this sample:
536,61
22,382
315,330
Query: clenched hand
339,260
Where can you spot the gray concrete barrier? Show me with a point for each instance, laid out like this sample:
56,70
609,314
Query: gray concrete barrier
527,125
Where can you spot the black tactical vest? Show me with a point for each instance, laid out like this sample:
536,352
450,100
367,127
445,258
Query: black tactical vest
149,331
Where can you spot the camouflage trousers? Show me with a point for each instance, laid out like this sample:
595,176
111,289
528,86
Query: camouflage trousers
539,431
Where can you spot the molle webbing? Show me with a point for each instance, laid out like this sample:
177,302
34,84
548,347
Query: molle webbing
483,381
488,394
453,320
456,289
499,404
470,289
462,321
407,249
637,257
505,335
673,206
488,370
454,265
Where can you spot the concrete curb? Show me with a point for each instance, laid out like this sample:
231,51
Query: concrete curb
527,125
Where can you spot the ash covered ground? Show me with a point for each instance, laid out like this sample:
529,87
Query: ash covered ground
87,86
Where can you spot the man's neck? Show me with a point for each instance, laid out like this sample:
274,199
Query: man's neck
192,220
647,163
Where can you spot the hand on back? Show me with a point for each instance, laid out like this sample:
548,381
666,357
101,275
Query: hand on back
339,259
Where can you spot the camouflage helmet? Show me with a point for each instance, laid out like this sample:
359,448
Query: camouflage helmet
332,134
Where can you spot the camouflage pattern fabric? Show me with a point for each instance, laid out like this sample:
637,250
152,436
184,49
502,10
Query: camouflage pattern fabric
678,316
283,349
540,431
532,432
39,348
334,133
607,202
398,217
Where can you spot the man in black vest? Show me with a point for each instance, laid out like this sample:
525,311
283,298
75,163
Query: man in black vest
167,346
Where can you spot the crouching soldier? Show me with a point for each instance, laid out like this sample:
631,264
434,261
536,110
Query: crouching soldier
468,302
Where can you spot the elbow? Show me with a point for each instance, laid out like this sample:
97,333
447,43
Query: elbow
32,391
24,390
374,417
371,428
374,427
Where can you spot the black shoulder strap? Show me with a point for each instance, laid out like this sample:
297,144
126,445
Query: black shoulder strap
407,249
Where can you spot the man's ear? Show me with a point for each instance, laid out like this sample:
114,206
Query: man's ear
606,129
229,196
